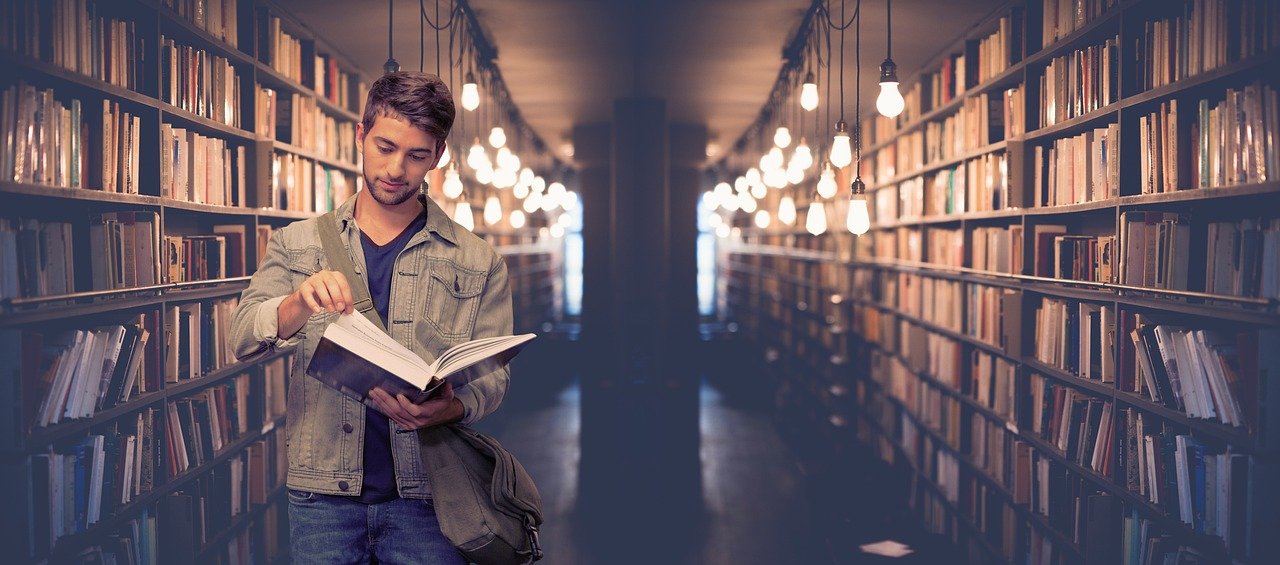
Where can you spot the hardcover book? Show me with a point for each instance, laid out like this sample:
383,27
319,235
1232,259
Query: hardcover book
354,356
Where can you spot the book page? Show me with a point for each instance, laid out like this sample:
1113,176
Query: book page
350,333
464,355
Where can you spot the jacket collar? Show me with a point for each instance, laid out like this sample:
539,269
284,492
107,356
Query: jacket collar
437,221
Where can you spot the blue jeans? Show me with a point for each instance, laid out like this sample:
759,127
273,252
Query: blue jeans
339,529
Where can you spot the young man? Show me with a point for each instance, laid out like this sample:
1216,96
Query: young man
357,488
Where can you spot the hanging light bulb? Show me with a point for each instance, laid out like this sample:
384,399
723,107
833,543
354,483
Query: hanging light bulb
776,178
827,182
758,191
462,215
548,203
723,231
517,219
470,93
492,210
795,174
497,137
504,178
526,176
444,157
452,183
475,156
746,203
753,176
570,201
858,221
815,220
520,190
532,203
787,210
803,157
889,103
723,192
762,219
557,230
556,191
782,137
771,160
809,93
714,220
505,159
841,152
484,175
539,184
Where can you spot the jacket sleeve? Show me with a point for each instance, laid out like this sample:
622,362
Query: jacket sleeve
482,396
255,324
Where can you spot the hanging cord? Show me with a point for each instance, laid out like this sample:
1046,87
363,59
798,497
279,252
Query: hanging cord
842,2
857,103
888,11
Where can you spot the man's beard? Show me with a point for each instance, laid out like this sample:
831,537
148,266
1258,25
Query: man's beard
390,199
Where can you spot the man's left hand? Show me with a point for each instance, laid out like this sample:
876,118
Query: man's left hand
441,408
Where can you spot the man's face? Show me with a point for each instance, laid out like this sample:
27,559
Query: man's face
397,156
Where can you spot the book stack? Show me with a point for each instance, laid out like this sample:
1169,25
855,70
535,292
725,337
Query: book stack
1243,258
282,52
993,316
1062,17
946,247
1153,249
42,140
1015,112
1234,138
195,258
206,170
1080,82
124,249
910,153
991,382
1158,143
947,82
38,258
1002,48
1079,169
199,82
997,249
988,182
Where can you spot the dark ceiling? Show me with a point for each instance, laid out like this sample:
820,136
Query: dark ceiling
714,61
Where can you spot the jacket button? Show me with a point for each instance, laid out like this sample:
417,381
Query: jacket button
347,428
343,485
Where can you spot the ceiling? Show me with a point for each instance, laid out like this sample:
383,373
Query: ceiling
714,61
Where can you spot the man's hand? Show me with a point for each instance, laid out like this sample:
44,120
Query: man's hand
325,291
441,408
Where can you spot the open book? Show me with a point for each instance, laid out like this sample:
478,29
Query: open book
354,356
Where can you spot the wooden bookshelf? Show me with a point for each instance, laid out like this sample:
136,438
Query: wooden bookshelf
259,531
809,300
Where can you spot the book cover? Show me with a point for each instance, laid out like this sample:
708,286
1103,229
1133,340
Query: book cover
354,356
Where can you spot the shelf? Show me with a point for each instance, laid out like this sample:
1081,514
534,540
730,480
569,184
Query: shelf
1271,188
1071,124
155,295
332,163
941,164
172,113
55,72
1226,71
208,41
218,541
85,194
70,543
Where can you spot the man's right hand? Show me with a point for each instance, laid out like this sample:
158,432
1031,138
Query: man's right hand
325,291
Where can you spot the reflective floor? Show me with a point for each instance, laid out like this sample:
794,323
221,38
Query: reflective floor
618,488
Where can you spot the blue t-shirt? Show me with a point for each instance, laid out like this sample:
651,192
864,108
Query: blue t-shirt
379,467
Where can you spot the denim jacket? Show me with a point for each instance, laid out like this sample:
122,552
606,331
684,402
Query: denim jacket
448,286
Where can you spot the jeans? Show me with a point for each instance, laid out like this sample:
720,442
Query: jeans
339,529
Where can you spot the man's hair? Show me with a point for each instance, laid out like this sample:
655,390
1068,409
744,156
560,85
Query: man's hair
421,98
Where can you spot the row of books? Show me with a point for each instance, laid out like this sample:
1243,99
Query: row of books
44,141
1080,82
302,185
1078,169
996,249
945,192
73,487
297,120
978,122
1002,48
1158,145
947,82
206,170
335,84
199,82
993,316
1243,258
945,246
992,383
1203,373
36,257
1062,17
89,371
195,338
218,17
1077,337
280,50
987,187
75,35
1153,249
1235,138
1207,34
191,516
124,249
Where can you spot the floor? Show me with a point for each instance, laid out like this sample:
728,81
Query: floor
616,496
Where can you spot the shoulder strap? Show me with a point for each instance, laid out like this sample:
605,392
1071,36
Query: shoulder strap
340,261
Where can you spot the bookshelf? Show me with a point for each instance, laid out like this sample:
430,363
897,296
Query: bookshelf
272,134
973,295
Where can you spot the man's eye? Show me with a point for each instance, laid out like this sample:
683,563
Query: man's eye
418,157
384,150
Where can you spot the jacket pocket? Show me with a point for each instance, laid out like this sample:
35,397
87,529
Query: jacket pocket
453,299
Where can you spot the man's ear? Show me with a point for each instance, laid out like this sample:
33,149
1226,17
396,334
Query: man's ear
440,145
360,136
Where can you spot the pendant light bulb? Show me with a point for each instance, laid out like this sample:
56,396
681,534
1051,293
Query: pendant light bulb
452,183
444,157
858,221
787,210
815,221
782,137
841,149
827,183
762,219
470,94
746,203
484,175
795,174
889,103
520,190
497,137
476,156
492,210
809,94
462,215
517,219
803,157
532,203
758,191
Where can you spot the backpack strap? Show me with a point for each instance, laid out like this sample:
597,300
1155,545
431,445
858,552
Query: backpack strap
340,261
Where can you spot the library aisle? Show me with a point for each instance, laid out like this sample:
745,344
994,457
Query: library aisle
759,502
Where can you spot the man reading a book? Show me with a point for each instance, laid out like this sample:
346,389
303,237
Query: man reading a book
357,488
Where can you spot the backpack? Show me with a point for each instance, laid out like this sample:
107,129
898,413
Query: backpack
486,502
